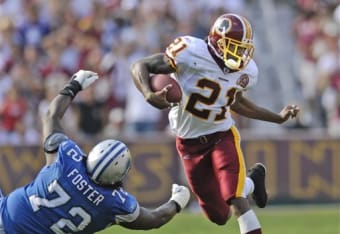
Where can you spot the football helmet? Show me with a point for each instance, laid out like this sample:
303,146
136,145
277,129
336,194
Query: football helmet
108,162
231,39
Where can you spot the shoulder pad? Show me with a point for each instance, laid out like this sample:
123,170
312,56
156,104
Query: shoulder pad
53,141
183,49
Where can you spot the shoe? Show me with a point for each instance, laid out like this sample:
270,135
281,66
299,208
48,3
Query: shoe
258,173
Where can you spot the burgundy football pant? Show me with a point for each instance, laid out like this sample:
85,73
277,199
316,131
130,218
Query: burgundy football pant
215,170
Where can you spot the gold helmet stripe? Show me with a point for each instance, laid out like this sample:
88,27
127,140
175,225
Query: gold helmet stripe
247,28
247,36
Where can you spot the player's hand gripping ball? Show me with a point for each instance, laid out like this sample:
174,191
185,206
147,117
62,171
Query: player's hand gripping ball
159,81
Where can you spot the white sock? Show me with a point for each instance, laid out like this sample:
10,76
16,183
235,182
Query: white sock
248,187
248,222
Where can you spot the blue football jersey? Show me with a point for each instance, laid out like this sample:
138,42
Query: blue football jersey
63,199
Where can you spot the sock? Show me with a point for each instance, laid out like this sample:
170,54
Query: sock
249,223
248,187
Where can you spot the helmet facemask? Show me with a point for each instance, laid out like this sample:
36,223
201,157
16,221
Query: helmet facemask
236,55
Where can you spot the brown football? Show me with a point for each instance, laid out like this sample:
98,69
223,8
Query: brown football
159,81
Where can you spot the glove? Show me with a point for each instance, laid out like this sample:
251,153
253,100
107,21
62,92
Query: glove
181,195
80,80
85,78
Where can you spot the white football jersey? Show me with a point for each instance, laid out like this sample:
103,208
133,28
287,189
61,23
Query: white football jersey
207,90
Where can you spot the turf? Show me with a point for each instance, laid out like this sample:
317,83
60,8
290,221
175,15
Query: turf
274,220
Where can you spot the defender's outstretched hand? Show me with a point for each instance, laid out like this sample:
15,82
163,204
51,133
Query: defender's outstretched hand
85,78
180,195
80,80
290,111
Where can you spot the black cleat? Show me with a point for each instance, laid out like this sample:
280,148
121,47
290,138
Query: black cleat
258,173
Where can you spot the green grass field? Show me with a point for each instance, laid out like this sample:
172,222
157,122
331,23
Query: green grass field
274,220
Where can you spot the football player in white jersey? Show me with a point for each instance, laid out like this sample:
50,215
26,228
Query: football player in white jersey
213,75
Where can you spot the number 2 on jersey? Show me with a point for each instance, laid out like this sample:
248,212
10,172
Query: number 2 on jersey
176,46
210,100
60,199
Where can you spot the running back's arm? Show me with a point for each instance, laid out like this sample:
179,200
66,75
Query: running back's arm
247,108
141,69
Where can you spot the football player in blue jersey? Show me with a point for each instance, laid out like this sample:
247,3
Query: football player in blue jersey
79,193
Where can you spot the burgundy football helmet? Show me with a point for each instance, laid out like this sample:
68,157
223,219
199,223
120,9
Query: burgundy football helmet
231,39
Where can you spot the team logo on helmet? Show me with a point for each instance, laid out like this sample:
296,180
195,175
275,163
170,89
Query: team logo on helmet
223,26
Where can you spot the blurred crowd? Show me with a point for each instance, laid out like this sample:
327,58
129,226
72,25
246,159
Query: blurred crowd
317,35
43,42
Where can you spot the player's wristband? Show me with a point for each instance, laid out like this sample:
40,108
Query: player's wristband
71,89
178,207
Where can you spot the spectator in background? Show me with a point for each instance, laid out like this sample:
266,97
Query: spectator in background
52,61
91,115
316,36
12,113
50,36
6,56
26,75
6,43
13,9
115,125
140,118
32,30
328,73
28,85
306,30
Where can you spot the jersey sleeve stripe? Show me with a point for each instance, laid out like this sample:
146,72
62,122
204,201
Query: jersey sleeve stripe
171,61
128,217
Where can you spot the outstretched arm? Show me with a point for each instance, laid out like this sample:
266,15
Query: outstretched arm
245,107
51,121
150,219
141,70
155,218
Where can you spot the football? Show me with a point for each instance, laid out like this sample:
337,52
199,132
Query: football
159,81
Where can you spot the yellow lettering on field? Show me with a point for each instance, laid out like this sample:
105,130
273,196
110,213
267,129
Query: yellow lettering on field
18,166
305,183
151,165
